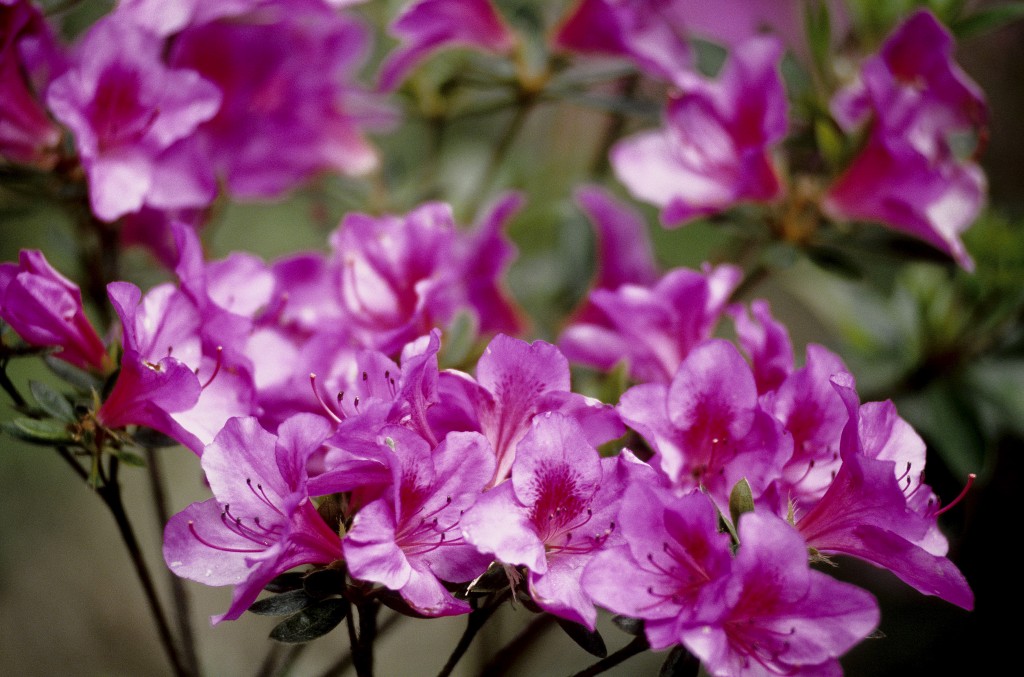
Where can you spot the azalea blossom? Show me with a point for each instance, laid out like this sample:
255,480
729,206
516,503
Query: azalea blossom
45,308
913,98
260,522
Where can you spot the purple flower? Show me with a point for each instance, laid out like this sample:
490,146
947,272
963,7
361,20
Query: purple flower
773,614
557,510
45,308
649,32
426,26
409,539
878,507
715,150
516,381
766,342
908,176
289,108
652,328
400,276
132,118
706,427
29,59
260,522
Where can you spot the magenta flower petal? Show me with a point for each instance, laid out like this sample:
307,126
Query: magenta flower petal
45,308
426,26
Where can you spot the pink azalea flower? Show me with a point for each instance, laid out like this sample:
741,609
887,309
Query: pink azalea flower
260,522
878,508
624,252
29,59
408,539
653,328
132,118
706,426
672,551
715,149
426,26
774,614
515,382
400,276
45,308
554,514
913,97
766,342
289,110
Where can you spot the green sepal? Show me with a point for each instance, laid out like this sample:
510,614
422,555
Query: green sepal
47,432
312,622
630,626
285,604
679,663
589,640
52,402
741,500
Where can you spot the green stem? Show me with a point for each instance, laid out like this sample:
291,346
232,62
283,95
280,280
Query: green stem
9,387
613,130
345,662
638,645
179,592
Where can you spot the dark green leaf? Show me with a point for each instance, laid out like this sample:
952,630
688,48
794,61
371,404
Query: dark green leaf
52,402
312,622
590,640
284,604
631,626
79,379
47,432
153,439
130,458
679,663
492,580
324,583
836,262
285,582
741,500
988,20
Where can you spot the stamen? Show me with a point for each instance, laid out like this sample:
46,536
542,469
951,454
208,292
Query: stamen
960,497
192,528
216,368
316,394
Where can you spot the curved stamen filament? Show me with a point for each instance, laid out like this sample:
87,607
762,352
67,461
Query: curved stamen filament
195,534
960,497
316,393
216,368
259,493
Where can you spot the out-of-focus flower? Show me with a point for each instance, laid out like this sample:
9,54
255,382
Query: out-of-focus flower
913,98
651,328
29,60
715,149
133,118
400,276
260,522
45,308
290,108
426,26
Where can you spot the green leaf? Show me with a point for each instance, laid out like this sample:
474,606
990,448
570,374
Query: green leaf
741,500
130,458
52,402
988,20
285,582
589,640
324,583
630,626
818,25
46,431
311,622
679,663
153,439
285,604
73,375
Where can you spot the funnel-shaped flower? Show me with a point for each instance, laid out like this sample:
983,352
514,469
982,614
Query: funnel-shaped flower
45,308
260,522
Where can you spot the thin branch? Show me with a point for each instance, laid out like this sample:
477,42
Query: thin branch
345,662
110,492
475,621
638,645
179,592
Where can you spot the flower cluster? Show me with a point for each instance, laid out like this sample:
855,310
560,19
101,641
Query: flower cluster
334,433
